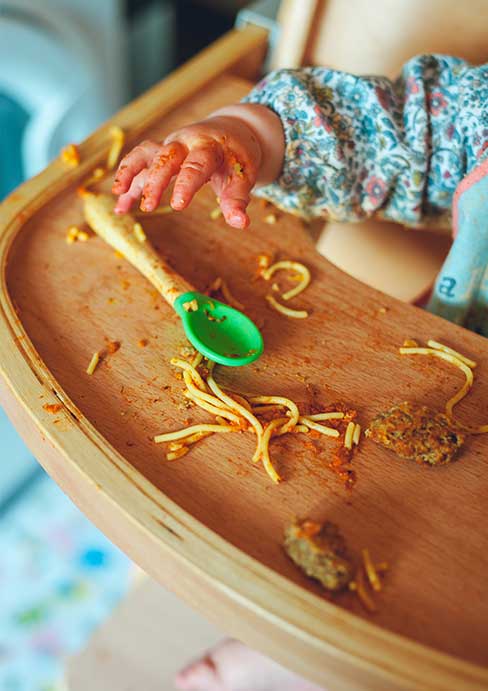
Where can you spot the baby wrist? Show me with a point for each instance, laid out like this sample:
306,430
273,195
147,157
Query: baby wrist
267,129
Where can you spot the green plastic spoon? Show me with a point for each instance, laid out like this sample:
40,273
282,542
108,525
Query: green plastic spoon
218,331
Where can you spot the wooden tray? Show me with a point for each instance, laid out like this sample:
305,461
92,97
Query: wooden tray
210,525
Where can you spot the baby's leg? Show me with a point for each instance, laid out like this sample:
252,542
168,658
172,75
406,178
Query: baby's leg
382,255
231,666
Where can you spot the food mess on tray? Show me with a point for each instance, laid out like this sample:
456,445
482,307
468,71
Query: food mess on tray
417,433
320,551
300,273
266,416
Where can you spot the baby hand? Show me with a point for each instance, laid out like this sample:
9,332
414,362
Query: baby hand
222,150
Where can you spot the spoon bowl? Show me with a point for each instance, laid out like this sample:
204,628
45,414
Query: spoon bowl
220,332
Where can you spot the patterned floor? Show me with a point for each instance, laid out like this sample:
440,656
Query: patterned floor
59,578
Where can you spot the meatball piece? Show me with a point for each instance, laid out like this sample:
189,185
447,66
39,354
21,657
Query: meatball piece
320,551
417,433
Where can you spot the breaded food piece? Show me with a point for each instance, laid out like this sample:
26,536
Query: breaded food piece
417,433
320,551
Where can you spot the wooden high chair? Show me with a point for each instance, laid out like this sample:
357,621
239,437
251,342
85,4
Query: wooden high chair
209,526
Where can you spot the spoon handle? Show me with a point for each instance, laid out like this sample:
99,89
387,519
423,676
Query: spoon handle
118,232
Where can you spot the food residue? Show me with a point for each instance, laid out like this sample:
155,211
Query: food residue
191,305
320,551
236,412
417,433
287,311
219,320
74,234
219,285
70,154
300,273
52,408
367,579
465,364
95,359
264,261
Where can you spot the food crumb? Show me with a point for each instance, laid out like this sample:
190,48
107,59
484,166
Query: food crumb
142,343
74,234
270,219
113,347
52,408
93,363
71,234
216,213
70,154
264,261
320,551
190,306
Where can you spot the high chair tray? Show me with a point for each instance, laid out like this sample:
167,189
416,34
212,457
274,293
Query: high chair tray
209,526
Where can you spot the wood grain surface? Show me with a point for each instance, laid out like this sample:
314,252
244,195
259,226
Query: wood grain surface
61,302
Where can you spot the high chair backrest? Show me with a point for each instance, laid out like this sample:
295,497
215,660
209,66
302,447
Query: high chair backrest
378,36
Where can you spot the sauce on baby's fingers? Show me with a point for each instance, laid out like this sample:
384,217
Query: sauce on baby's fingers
126,200
234,199
163,168
136,160
197,169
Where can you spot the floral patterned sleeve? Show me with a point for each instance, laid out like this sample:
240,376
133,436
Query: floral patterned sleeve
363,146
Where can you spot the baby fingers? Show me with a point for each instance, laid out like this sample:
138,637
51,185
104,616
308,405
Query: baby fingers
127,199
234,199
136,160
196,170
163,168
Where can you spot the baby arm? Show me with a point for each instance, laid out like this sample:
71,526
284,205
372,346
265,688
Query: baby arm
235,148
318,143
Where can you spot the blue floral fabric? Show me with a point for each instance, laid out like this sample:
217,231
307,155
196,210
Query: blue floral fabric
363,146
